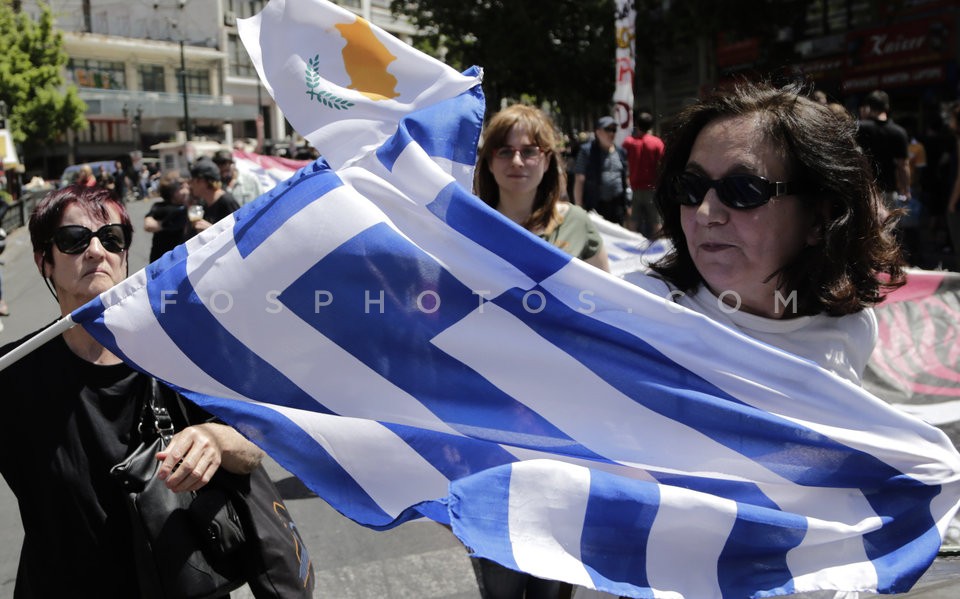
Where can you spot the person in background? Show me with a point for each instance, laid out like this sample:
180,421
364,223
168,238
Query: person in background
243,186
886,143
120,180
88,403
206,187
167,218
644,151
600,174
85,176
519,173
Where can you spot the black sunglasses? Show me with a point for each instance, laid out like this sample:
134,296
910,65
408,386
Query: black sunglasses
736,191
74,239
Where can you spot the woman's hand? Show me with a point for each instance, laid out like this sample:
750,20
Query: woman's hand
195,453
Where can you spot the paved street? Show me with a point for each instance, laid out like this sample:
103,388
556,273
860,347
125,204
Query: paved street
416,560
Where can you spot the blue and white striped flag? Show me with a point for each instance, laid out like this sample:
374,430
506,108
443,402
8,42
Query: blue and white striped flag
407,352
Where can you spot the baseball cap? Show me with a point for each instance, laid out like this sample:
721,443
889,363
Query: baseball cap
205,169
222,157
604,122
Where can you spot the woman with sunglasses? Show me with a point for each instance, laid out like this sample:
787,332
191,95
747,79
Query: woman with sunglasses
519,174
775,225
71,409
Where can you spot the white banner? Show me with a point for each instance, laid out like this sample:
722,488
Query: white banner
626,19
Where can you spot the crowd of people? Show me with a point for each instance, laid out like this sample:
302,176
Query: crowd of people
763,192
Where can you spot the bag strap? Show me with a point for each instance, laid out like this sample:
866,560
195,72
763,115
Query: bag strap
155,407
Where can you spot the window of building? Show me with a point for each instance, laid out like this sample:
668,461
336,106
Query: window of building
198,82
97,132
836,16
245,8
99,74
240,63
151,78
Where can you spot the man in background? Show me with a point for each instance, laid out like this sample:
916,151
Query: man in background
644,151
886,144
244,187
600,174
205,186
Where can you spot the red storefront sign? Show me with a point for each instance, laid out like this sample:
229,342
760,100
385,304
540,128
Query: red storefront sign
891,48
921,75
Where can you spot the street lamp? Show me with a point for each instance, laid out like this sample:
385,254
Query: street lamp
183,88
134,124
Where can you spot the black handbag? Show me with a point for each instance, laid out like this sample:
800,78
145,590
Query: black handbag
235,530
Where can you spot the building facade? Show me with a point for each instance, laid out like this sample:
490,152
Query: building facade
131,62
847,48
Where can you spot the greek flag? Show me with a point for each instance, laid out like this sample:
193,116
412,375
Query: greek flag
407,352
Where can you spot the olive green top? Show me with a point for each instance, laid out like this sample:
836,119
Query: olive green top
574,233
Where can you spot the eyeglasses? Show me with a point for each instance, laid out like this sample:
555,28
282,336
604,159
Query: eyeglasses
527,153
736,191
610,129
74,239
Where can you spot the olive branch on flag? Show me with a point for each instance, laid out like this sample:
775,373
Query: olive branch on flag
328,99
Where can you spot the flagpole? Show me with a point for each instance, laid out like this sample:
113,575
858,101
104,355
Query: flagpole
57,328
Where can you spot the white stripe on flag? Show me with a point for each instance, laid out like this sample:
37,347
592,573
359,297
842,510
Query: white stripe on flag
392,473
684,515
556,525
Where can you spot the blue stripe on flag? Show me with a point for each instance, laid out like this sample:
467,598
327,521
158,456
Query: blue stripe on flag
287,443
455,457
257,221
616,528
91,315
629,247
379,261
904,503
209,345
756,550
480,513
469,216
449,129
734,490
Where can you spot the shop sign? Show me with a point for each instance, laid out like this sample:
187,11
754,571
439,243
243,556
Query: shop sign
915,42
922,75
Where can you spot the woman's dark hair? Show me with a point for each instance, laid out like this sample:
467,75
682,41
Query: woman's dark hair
48,213
541,130
858,258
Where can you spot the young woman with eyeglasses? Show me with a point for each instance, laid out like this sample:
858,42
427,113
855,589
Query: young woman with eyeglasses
775,224
72,409
519,174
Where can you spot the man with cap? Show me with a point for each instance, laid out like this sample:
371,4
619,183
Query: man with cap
206,187
600,174
243,186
